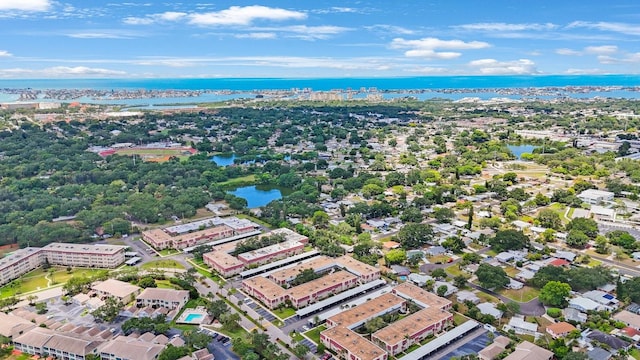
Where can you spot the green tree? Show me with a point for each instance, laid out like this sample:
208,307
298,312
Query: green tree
109,311
300,350
509,240
195,340
173,352
147,282
442,290
455,244
550,219
587,226
411,214
412,236
395,256
460,281
439,273
555,293
577,239
443,214
216,308
492,277
320,219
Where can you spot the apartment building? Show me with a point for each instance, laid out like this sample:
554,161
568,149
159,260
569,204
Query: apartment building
120,290
400,335
271,253
421,297
60,345
24,260
19,263
85,255
223,263
350,345
167,298
365,273
193,234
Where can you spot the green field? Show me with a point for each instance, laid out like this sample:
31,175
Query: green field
164,264
459,319
36,280
314,334
523,295
284,312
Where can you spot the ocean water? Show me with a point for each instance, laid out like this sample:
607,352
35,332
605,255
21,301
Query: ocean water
324,84
422,88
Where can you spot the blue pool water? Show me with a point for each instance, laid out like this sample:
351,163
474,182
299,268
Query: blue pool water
193,317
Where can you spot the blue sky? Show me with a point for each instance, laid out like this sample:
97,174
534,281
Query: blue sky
297,38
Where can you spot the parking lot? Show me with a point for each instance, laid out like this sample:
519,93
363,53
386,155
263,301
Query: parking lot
470,347
220,349
260,310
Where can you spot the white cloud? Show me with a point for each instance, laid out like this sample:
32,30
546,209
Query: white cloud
600,50
100,35
584,71
568,52
393,29
257,35
632,58
430,70
239,15
427,47
305,32
60,72
495,67
167,16
25,5
623,28
499,26
5,53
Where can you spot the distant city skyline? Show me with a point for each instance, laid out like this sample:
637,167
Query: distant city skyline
315,39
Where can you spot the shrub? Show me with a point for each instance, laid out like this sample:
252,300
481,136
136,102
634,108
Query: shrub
554,312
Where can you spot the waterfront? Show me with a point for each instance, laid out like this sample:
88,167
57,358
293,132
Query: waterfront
260,195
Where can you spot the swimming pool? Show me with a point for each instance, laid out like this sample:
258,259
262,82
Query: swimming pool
193,317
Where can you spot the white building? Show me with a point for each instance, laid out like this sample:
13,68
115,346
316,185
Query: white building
595,197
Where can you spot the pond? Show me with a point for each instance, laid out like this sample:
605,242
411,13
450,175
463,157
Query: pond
224,159
260,195
518,150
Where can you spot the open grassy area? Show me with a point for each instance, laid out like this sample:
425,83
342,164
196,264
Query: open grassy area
165,264
523,295
158,155
439,259
635,353
594,263
511,271
459,319
486,297
36,280
254,219
491,252
167,252
243,180
284,312
166,284
296,336
314,334
454,270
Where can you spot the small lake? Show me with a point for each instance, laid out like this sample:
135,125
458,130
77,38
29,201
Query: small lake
224,159
518,150
260,195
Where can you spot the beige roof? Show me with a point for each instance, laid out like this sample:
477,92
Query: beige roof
163,294
98,249
320,284
629,318
266,287
131,348
222,259
529,351
323,262
71,343
420,296
354,343
367,310
12,325
411,325
116,288
561,327
494,349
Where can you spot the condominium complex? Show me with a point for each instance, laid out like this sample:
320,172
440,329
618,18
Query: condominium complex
24,260
227,265
338,274
193,234
167,298
394,338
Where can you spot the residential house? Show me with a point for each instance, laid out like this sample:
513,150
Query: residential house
463,296
120,290
522,327
419,279
598,353
490,309
529,351
525,275
584,305
451,289
613,342
168,298
571,314
602,298
495,348
560,329
435,250
400,270
567,255
629,318
514,284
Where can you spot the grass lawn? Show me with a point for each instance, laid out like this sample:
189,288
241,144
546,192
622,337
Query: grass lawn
239,181
511,271
36,280
570,213
454,270
523,295
439,259
296,337
459,319
635,353
486,297
314,334
236,333
594,263
166,284
166,264
491,252
284,312
167,252
208,274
